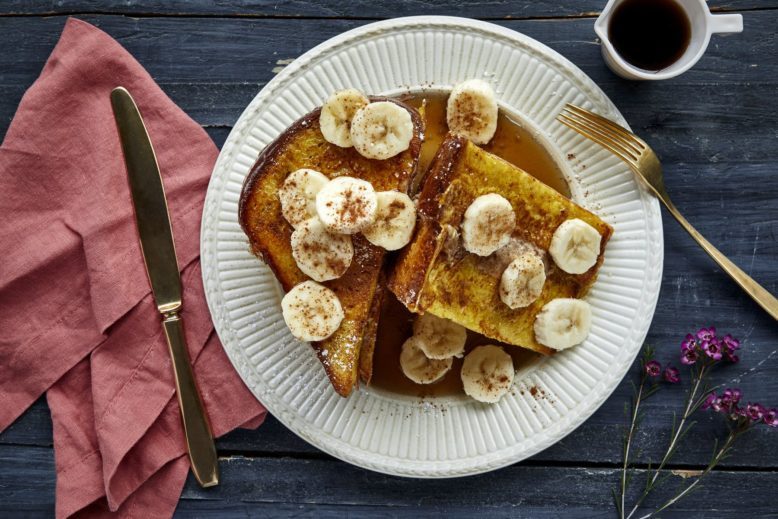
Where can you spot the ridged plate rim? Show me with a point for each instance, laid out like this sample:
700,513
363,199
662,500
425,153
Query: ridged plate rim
229,310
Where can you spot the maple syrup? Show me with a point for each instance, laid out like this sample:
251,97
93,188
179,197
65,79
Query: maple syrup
394,328
650,34
513,143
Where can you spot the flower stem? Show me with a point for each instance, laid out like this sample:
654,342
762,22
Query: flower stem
716,459
691,406
628,444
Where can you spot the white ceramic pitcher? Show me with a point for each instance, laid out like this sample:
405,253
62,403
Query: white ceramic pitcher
702,22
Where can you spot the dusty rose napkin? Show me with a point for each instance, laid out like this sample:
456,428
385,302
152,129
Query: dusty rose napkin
76,311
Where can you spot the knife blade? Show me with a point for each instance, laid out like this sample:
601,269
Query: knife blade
159,255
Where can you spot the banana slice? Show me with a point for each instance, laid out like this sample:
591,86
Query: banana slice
298,195
563,323
381,130
320,254
522,281
488,224
487,373
337,114
472,111
418,367
575,246
439,338
311,311
346,205
394,223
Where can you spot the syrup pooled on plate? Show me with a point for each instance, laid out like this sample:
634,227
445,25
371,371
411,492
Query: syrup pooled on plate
394,328
511,142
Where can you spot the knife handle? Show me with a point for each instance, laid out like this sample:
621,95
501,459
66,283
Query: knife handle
197,430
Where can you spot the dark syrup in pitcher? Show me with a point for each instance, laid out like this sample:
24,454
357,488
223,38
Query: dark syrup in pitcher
650,34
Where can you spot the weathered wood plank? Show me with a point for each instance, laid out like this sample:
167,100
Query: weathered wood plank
286,487
245,51
585,490
729,87
490,9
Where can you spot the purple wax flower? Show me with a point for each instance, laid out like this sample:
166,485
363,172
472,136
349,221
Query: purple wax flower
731,396
771,417
653,368
712,348
708,403
688,343
731,357
730,344
707,334
689,355
671,375
755,412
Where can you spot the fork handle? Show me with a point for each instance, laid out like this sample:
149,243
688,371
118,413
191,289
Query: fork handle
762,297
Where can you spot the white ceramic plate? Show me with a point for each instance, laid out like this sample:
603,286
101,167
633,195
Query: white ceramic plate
452,436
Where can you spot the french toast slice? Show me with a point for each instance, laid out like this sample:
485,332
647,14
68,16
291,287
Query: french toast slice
303,146
435,274
371,333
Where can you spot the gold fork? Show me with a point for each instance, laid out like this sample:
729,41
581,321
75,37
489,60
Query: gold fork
643,161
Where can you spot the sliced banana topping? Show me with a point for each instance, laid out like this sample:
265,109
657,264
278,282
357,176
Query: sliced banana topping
575,246
488,224
346,205
381,130
320,254
522,280
394,223
472,111
487,373
311,311
418,367
298,195
439,338
563,323
337,114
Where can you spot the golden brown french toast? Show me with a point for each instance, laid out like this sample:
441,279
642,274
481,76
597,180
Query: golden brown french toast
303,146
371,332
435,274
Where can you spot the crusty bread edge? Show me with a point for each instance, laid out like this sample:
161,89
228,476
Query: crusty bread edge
272,150
425,244
269,154
370,334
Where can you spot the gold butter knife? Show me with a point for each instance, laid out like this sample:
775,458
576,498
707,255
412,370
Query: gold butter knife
159,255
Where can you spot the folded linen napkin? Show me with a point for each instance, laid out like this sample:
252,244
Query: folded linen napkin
77,315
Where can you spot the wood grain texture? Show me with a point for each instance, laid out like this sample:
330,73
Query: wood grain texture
715,130
214,82
364,9
288,487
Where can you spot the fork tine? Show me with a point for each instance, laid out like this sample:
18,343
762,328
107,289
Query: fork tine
610,124
599,140
594,133
606,130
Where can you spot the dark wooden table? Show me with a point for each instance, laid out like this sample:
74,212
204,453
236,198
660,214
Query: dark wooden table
716,130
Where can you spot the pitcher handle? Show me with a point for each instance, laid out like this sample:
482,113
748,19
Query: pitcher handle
726,23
